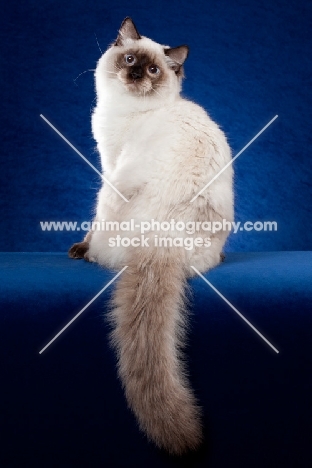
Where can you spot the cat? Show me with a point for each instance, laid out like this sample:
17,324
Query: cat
158,150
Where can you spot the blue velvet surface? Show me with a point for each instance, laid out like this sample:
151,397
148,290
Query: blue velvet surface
65,407
249,60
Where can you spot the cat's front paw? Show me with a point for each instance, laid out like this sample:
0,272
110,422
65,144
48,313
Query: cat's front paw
78,250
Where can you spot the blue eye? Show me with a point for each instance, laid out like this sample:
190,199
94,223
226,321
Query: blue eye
153,69
130,59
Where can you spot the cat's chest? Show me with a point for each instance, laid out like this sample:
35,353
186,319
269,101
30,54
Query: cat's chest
136,144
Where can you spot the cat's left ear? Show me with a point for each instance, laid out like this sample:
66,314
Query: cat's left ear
127,31
177,56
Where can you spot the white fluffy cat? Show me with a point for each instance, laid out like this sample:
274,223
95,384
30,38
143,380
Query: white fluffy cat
158,150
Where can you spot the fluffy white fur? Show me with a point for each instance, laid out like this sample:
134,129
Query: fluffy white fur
158,150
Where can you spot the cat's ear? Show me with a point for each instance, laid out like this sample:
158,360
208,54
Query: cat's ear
127,31
177,56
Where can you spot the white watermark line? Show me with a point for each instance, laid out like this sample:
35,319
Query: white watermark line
83,157
82,310
235,310
232,160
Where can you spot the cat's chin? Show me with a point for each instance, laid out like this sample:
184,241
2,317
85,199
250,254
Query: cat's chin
137,90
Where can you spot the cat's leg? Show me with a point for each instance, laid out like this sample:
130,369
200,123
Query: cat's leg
80,249
206,258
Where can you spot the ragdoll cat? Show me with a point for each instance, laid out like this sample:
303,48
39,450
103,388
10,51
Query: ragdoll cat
158,150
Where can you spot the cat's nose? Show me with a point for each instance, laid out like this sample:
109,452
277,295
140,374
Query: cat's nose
136,73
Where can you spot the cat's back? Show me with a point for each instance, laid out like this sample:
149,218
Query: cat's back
190,116
191,128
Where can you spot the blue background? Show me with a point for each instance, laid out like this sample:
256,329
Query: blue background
249,60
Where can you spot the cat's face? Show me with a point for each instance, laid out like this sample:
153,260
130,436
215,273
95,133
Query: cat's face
141,66
141,71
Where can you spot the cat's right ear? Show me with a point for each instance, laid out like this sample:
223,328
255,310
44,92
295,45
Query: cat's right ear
127,31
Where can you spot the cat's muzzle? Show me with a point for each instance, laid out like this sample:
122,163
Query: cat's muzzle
136,73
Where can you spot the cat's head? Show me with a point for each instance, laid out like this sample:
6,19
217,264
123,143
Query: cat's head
140,66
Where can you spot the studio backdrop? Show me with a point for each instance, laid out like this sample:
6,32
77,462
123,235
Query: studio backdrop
248,62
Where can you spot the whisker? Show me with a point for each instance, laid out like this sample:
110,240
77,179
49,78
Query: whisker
157,92
82,74
92,104
98,44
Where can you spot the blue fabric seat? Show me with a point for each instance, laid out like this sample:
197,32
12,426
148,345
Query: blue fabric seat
65,407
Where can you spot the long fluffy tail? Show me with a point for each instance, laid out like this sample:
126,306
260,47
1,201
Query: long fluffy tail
149,323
